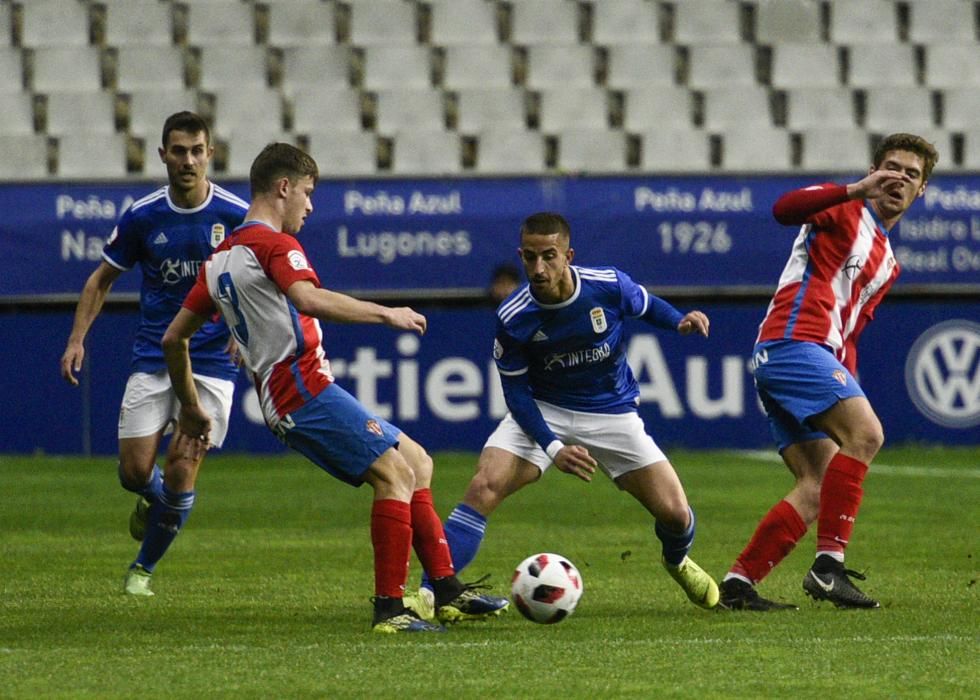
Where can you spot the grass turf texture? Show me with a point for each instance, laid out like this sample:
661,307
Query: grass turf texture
265,593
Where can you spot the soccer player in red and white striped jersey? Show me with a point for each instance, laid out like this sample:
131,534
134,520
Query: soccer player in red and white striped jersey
269,295
804,363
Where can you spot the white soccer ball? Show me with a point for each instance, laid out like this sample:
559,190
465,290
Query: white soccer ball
546,588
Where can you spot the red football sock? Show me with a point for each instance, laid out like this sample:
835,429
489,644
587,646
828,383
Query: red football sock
840,498
391,535
774,538
428,537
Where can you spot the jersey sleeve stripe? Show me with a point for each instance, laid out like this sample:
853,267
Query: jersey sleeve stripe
114,263
513,307
600,275
224,194
646,303
512,372
148,199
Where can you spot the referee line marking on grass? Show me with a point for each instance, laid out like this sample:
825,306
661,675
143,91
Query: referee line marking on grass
886,469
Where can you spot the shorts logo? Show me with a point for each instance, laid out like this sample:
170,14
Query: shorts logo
942,374
840,376
374,427
217,235
297,260
598,317
498,349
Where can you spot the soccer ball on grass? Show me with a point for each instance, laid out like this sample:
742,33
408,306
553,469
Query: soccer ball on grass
546,588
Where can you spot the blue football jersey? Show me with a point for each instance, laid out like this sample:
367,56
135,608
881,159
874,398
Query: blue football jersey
170,244
573,352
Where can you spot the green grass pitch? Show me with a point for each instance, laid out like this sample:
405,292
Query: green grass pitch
265,593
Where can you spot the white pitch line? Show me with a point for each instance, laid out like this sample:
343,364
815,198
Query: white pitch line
885,469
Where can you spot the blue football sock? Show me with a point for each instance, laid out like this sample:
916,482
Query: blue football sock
151,489
167,517
465,528
676,545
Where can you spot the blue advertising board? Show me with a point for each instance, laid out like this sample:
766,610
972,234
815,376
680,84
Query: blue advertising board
438,238
919,364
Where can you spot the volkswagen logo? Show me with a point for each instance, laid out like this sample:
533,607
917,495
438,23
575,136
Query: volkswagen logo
942,374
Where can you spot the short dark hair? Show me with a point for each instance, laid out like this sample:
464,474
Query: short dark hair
908,142
188,122
279,160
546,223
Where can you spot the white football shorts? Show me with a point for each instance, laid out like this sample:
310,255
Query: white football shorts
618,441
149,405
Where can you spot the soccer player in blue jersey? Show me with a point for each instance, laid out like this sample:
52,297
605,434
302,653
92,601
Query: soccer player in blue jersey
169,234
572,397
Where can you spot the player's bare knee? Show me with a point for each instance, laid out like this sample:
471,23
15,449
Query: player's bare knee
485,492
134,473
865,442
422,467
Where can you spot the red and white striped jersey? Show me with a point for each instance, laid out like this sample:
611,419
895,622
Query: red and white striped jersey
246,279
841,267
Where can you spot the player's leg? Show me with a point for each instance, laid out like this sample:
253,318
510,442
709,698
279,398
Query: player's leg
140,474
143,415
854,426
510,460
637,465
819,398
335,432
452,601
657,487
782,527
168,514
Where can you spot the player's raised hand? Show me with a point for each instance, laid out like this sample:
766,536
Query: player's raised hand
407,319
876,183
71,362
694,322
576,460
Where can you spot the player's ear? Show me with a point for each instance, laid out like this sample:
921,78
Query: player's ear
163,154
570,255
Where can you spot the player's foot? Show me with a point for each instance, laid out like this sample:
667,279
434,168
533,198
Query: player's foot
138,518
137,581
700,588
405,621
829,580
422,603
471,605
739,595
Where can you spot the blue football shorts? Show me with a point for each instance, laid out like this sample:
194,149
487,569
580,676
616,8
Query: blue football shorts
797,380
335,432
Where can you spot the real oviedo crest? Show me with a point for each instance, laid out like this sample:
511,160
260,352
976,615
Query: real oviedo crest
217,235
598,317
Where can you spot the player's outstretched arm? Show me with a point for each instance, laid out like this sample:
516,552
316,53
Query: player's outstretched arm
694,322
90,303
328,305
193,423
